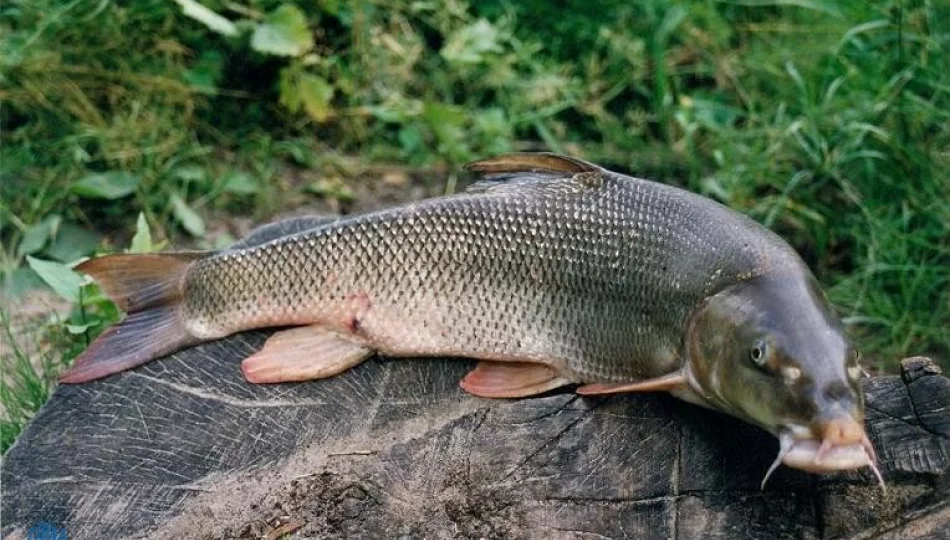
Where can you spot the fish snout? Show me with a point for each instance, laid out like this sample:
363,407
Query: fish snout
839,431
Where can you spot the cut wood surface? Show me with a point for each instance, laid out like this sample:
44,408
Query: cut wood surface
183,447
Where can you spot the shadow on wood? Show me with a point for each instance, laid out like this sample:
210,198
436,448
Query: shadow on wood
185,448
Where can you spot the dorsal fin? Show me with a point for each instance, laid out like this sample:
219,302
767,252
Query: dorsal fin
541,171
540,162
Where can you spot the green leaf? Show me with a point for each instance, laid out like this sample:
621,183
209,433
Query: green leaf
470,44
209,18
20,282
332,188
296,150
35,237
58,276
142,241
495,130
189,173
190,220
288,89
315,95
330,6
76,329
284,32
391,114
72,242
240,183
671,19
109,185
443,115
207,72
447,122
410,138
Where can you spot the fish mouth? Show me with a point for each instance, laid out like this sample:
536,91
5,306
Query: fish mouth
822,456
814,456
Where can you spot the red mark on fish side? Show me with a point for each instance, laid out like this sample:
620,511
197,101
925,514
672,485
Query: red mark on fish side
357,306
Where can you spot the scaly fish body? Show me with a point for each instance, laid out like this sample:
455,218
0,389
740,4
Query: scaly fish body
596,277
553,271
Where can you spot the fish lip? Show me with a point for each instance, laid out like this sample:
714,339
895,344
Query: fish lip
808,455
819,456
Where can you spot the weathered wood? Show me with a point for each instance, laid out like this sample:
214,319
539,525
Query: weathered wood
185,448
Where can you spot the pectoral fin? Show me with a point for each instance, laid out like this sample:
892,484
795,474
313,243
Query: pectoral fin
511,379
666,383
303,354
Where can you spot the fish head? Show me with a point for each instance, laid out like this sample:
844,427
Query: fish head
770,350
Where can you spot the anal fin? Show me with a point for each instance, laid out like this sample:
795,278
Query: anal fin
303,354
511,379
666,383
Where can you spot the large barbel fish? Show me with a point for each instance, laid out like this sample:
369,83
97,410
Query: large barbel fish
551,271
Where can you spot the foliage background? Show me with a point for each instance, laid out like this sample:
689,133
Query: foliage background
826,121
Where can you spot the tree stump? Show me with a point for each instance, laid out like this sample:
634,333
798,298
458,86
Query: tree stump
183,447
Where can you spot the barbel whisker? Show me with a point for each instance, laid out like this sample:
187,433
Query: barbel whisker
872,462
785,446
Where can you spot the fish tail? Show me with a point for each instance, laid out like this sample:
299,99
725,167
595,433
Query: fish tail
149,288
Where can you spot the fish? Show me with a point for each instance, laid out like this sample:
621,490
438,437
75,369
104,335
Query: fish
550,271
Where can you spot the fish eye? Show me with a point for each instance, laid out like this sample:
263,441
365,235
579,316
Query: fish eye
757,353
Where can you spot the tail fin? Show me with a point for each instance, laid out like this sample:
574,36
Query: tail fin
137,282
149,288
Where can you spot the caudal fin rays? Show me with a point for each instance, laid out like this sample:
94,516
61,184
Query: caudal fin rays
139,338
149,288
140,281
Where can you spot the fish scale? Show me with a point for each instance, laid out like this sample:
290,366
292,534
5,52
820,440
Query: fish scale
593,274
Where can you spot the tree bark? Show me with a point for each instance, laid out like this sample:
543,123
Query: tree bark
184,448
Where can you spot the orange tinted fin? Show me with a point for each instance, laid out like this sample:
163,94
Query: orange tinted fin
137,282
511,379
140,337
302,354
666,383
148,288
539,162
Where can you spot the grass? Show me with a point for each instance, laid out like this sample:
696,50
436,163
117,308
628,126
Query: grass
27,378
829,122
